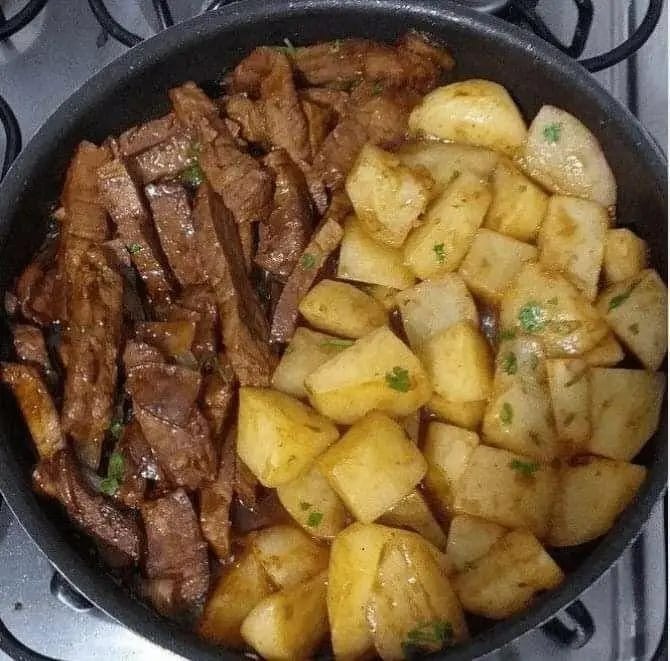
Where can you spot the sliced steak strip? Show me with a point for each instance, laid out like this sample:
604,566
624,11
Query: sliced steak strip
336,101
139,465
198,304
134,308
173,338
166,159
31,348
36,293
217,393
140,353
249,116
243,325
320,121
144,136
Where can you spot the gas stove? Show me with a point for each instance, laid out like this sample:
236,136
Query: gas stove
58,46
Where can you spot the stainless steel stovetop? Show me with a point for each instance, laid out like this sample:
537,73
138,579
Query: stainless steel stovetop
44,63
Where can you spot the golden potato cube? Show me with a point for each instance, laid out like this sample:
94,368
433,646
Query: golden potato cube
385,295
572,240
434,305
506,488
237,591
449,225
388,197
637,311
505,580
565,157
278,436
476,112
606,354
311,501
625,410
365,260
377,372
625,255
342,309
290,624
307,351
549,307
493,262
458,361
461,414
373,466
590,496
469,539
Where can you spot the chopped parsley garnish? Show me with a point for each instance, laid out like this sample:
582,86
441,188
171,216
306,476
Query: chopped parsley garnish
552,132
308,261
634,329
506,413
507,334
575,379
620,299
305,506
314,519
377,88
341,344
438,249
193,176
509,363
431,636
398,379
134,248
195,148
288,48
110,484
526,468
116,428
335,46
532,318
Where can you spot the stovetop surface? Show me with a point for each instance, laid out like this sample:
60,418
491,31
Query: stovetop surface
40,67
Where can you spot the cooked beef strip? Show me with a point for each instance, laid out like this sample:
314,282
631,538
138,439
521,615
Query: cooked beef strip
138,463
245,485
243,325
320,121
267,511
173,338
134,308
37,296
336,101
31,348
93,337
144,136
124,204
284,235
60,477
198,304
176,552
217,394
166,159
171,211
140,353
250,116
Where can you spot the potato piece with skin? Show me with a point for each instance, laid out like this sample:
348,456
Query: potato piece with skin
449,225
469,539
625,255
518,206
462,414
373,466
377,372
590,496
637,311
549,307
388,197
625,410
505,580
289,624
572,240
311,501
279,436
565,157
476,112
365,260
307,351
342,309
434,305
606,354
506,488
492,264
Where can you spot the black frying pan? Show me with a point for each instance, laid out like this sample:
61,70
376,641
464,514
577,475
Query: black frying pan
133,89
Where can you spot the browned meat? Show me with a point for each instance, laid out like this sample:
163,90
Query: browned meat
172,217
245,485
139,353
93,337
118,258
36,406
198,304
336,101
173,338
267,511
138,465
166,159
323,243
320,121
176,554
30,347
243,326
423,60
125,206
61,478
250,117
217,393
36,293
286,232
144,136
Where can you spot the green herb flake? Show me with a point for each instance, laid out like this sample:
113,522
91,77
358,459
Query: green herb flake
634,329
575,379
431,636
507,334
288,48
116,428
307,261
377,88
340,344
506,414
532,317
552,132
336,46
526,468
398,379
305,506
193,176
620,299
134,248
440,255
314,519
110,484
509,364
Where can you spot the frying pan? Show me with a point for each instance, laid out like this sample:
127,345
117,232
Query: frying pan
133,88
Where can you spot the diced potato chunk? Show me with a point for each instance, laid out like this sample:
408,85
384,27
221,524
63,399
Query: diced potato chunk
506,579
461,414
570,389
493,262
625,255
290,624
239,589
548,306
388,197
565,157
373,467
518,205
447,450
590,496
342,309
477,112
458,362
311,501
637,311
365,260
506,488
307,351
572,240
605,354
278,436
377,372
449,225
625,410
433,305
469,539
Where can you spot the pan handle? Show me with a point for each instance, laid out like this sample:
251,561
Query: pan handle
12,134
576,632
